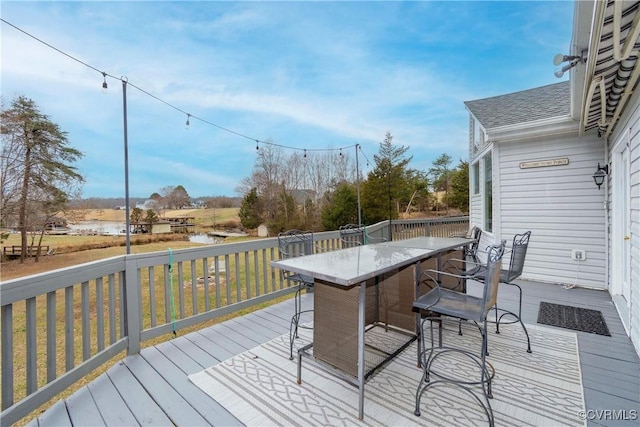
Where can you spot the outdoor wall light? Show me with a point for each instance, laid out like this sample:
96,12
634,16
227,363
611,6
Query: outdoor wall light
573,61
599,174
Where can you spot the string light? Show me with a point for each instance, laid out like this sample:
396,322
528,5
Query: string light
189,116
305,153
187,123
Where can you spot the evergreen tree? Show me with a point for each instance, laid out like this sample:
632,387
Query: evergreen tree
37,164
341,207
441,176
387,186
251,210
460,187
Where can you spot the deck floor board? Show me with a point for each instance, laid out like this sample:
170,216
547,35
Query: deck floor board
112,407
178,410
155,387
140,403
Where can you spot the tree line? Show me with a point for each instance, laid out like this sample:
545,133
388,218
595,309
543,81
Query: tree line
320,191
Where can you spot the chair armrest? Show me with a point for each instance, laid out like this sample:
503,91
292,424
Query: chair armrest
368,238
430,277
448,265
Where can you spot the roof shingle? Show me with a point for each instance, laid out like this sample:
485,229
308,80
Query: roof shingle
525,106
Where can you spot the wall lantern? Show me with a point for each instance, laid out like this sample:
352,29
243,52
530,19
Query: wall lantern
599,174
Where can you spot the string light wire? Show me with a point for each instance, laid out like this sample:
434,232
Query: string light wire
205,121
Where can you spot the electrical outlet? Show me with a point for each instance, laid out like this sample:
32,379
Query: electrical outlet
578,255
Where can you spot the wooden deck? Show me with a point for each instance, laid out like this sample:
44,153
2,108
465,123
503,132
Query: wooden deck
153,388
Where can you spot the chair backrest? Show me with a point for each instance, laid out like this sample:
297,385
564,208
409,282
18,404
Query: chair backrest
294,243
351,235
492,275
518,254
475,234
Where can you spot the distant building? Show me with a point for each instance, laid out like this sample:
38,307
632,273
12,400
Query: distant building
263,231
159,227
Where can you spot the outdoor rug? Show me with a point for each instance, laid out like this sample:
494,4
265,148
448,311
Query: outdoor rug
576,318
541,388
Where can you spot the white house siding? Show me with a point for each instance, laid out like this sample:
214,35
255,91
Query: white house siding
561,206
475,211
631,121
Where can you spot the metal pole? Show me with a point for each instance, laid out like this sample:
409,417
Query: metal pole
389,184
358,187
126,165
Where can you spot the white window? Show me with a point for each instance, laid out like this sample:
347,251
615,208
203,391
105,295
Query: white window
487,196
478,134
475,178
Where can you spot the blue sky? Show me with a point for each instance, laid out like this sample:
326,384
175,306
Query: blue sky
309,75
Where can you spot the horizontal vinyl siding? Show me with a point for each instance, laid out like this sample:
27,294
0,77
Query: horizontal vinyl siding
561,206
475,211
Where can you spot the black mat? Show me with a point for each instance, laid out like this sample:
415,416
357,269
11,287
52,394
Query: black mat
576,318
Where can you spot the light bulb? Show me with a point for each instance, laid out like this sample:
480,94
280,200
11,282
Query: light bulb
104,82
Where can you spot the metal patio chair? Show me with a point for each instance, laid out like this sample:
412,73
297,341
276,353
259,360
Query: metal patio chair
295,243
518,252
351,235
440,303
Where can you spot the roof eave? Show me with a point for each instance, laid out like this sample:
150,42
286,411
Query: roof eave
541,128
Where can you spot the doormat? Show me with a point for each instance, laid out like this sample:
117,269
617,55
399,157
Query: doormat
575,318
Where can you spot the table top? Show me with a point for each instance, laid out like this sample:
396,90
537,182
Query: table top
351,266
348,267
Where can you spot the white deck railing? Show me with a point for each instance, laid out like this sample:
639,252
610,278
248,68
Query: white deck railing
61,325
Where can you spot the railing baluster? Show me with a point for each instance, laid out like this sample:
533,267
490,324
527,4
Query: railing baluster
86,330
256,273
217,278
51,336
112,308
68,328
100,313
205,268
167,294
181,289
123,301
32,349
7,355
265,277
152,296
194,288
228,280
236,258
247,275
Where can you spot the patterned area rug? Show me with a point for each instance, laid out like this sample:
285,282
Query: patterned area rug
541,388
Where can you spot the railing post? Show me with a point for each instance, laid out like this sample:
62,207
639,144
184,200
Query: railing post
132,315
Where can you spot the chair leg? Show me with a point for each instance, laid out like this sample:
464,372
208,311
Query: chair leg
517,316
293,327
486,377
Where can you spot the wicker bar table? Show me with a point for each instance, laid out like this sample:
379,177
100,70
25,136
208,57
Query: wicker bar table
363,304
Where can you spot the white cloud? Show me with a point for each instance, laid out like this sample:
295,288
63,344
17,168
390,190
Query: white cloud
307,74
